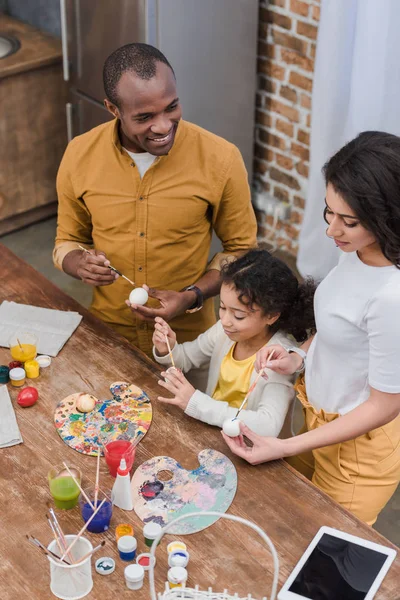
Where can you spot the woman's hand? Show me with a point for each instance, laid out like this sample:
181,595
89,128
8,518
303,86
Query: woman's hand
162,329
263,449
178,385
282,362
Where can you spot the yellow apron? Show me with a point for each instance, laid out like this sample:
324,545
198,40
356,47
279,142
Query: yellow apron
360,474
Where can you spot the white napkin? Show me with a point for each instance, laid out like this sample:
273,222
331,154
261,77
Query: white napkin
9,430
52,327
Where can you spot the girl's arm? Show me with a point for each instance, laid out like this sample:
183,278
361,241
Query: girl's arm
379,409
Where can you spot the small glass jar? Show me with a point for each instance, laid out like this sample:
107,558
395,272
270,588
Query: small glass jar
134,576
4,374
127,545
17,377
31,369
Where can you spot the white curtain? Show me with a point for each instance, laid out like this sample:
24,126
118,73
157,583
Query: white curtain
356,88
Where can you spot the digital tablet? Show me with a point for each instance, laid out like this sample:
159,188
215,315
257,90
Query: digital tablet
338,566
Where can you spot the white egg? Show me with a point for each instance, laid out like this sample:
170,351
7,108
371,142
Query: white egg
231,427
138,296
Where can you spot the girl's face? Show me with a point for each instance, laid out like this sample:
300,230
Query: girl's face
240,322
344,227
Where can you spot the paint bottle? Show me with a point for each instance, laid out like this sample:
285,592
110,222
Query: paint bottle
32,369
123,529
4,374
150,532
121,494
134,575
177,577
178,558
177,545
144,560
17,377
127,545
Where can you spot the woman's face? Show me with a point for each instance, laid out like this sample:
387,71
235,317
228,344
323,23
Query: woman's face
344,227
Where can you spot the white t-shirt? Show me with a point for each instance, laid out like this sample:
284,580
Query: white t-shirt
358,336
142,160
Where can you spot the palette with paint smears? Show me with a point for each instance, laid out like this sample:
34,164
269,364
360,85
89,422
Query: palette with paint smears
210,487
126,416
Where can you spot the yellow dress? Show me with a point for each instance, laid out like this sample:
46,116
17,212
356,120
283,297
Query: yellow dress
234,379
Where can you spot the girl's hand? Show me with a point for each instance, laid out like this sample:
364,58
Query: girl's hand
179,386
262,450
282,362
162,329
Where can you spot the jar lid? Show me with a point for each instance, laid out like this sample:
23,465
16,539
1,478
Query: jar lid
17,374
105,565
127,543
123,529
43,360
178,558
152,530
177,575
172,546
134,573
144,560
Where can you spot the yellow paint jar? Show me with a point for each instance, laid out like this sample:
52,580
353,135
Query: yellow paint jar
17,377
177,577
123,529
32,369
23,346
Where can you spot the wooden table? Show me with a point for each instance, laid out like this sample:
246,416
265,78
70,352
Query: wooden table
277,498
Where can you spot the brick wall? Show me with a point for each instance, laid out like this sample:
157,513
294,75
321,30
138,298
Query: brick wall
286,53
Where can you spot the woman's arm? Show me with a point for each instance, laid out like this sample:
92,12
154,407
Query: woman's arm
283,362
379,409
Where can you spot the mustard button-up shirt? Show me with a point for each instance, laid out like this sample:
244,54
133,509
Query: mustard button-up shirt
156,229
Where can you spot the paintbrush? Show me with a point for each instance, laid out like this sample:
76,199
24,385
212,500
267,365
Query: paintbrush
79,486
170,351
44,550
96,487
90,553
251,388
82,530
110,267
59,531
61,549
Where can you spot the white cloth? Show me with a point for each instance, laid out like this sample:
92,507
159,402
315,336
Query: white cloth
53,328
356,88
358,339
142,160
268,404
9,430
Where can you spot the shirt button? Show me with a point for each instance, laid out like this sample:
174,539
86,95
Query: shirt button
140,268
141,198
141,234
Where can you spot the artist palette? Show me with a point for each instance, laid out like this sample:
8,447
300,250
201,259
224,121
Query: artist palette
209,487
126,416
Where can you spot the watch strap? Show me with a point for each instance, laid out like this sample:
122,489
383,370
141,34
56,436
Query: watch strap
198,304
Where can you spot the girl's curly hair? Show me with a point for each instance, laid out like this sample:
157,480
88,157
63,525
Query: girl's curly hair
267,281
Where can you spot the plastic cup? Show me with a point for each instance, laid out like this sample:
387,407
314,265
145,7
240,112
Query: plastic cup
71,582
114,451
101,521
23,346
64,490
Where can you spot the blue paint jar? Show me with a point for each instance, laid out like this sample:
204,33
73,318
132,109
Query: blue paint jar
101,521
127,545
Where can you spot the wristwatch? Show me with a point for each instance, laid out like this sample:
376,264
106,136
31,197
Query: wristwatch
301,353
198,304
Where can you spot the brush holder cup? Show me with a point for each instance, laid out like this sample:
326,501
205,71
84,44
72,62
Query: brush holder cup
71,582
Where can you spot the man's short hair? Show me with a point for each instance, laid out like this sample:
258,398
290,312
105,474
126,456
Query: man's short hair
140,59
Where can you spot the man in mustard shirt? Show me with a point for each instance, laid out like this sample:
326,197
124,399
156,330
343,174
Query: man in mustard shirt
144,193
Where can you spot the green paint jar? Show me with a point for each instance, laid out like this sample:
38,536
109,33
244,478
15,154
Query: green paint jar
4,374
150,532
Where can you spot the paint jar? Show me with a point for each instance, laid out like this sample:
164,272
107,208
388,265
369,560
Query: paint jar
17,377
71,582
44,361
23,346
134,576
115,450
31,369
173,546
150,532
177,577
127,545
144,560
101,522
123,529
105,565
178,558
63,488
15,364
4,374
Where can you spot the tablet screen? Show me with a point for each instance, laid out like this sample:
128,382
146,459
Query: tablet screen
338,569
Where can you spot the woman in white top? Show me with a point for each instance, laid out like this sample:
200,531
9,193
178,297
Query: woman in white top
350,445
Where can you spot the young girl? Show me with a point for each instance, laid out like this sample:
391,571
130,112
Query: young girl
350,447
261,303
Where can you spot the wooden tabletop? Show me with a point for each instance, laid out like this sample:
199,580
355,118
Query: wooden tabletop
225,555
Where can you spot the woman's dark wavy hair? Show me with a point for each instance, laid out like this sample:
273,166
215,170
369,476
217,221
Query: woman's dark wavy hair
366,173
263,279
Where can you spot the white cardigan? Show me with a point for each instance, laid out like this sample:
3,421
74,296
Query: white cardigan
267,405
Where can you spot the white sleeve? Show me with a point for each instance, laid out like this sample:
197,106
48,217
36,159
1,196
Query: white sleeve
383,326
267,420
192,355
